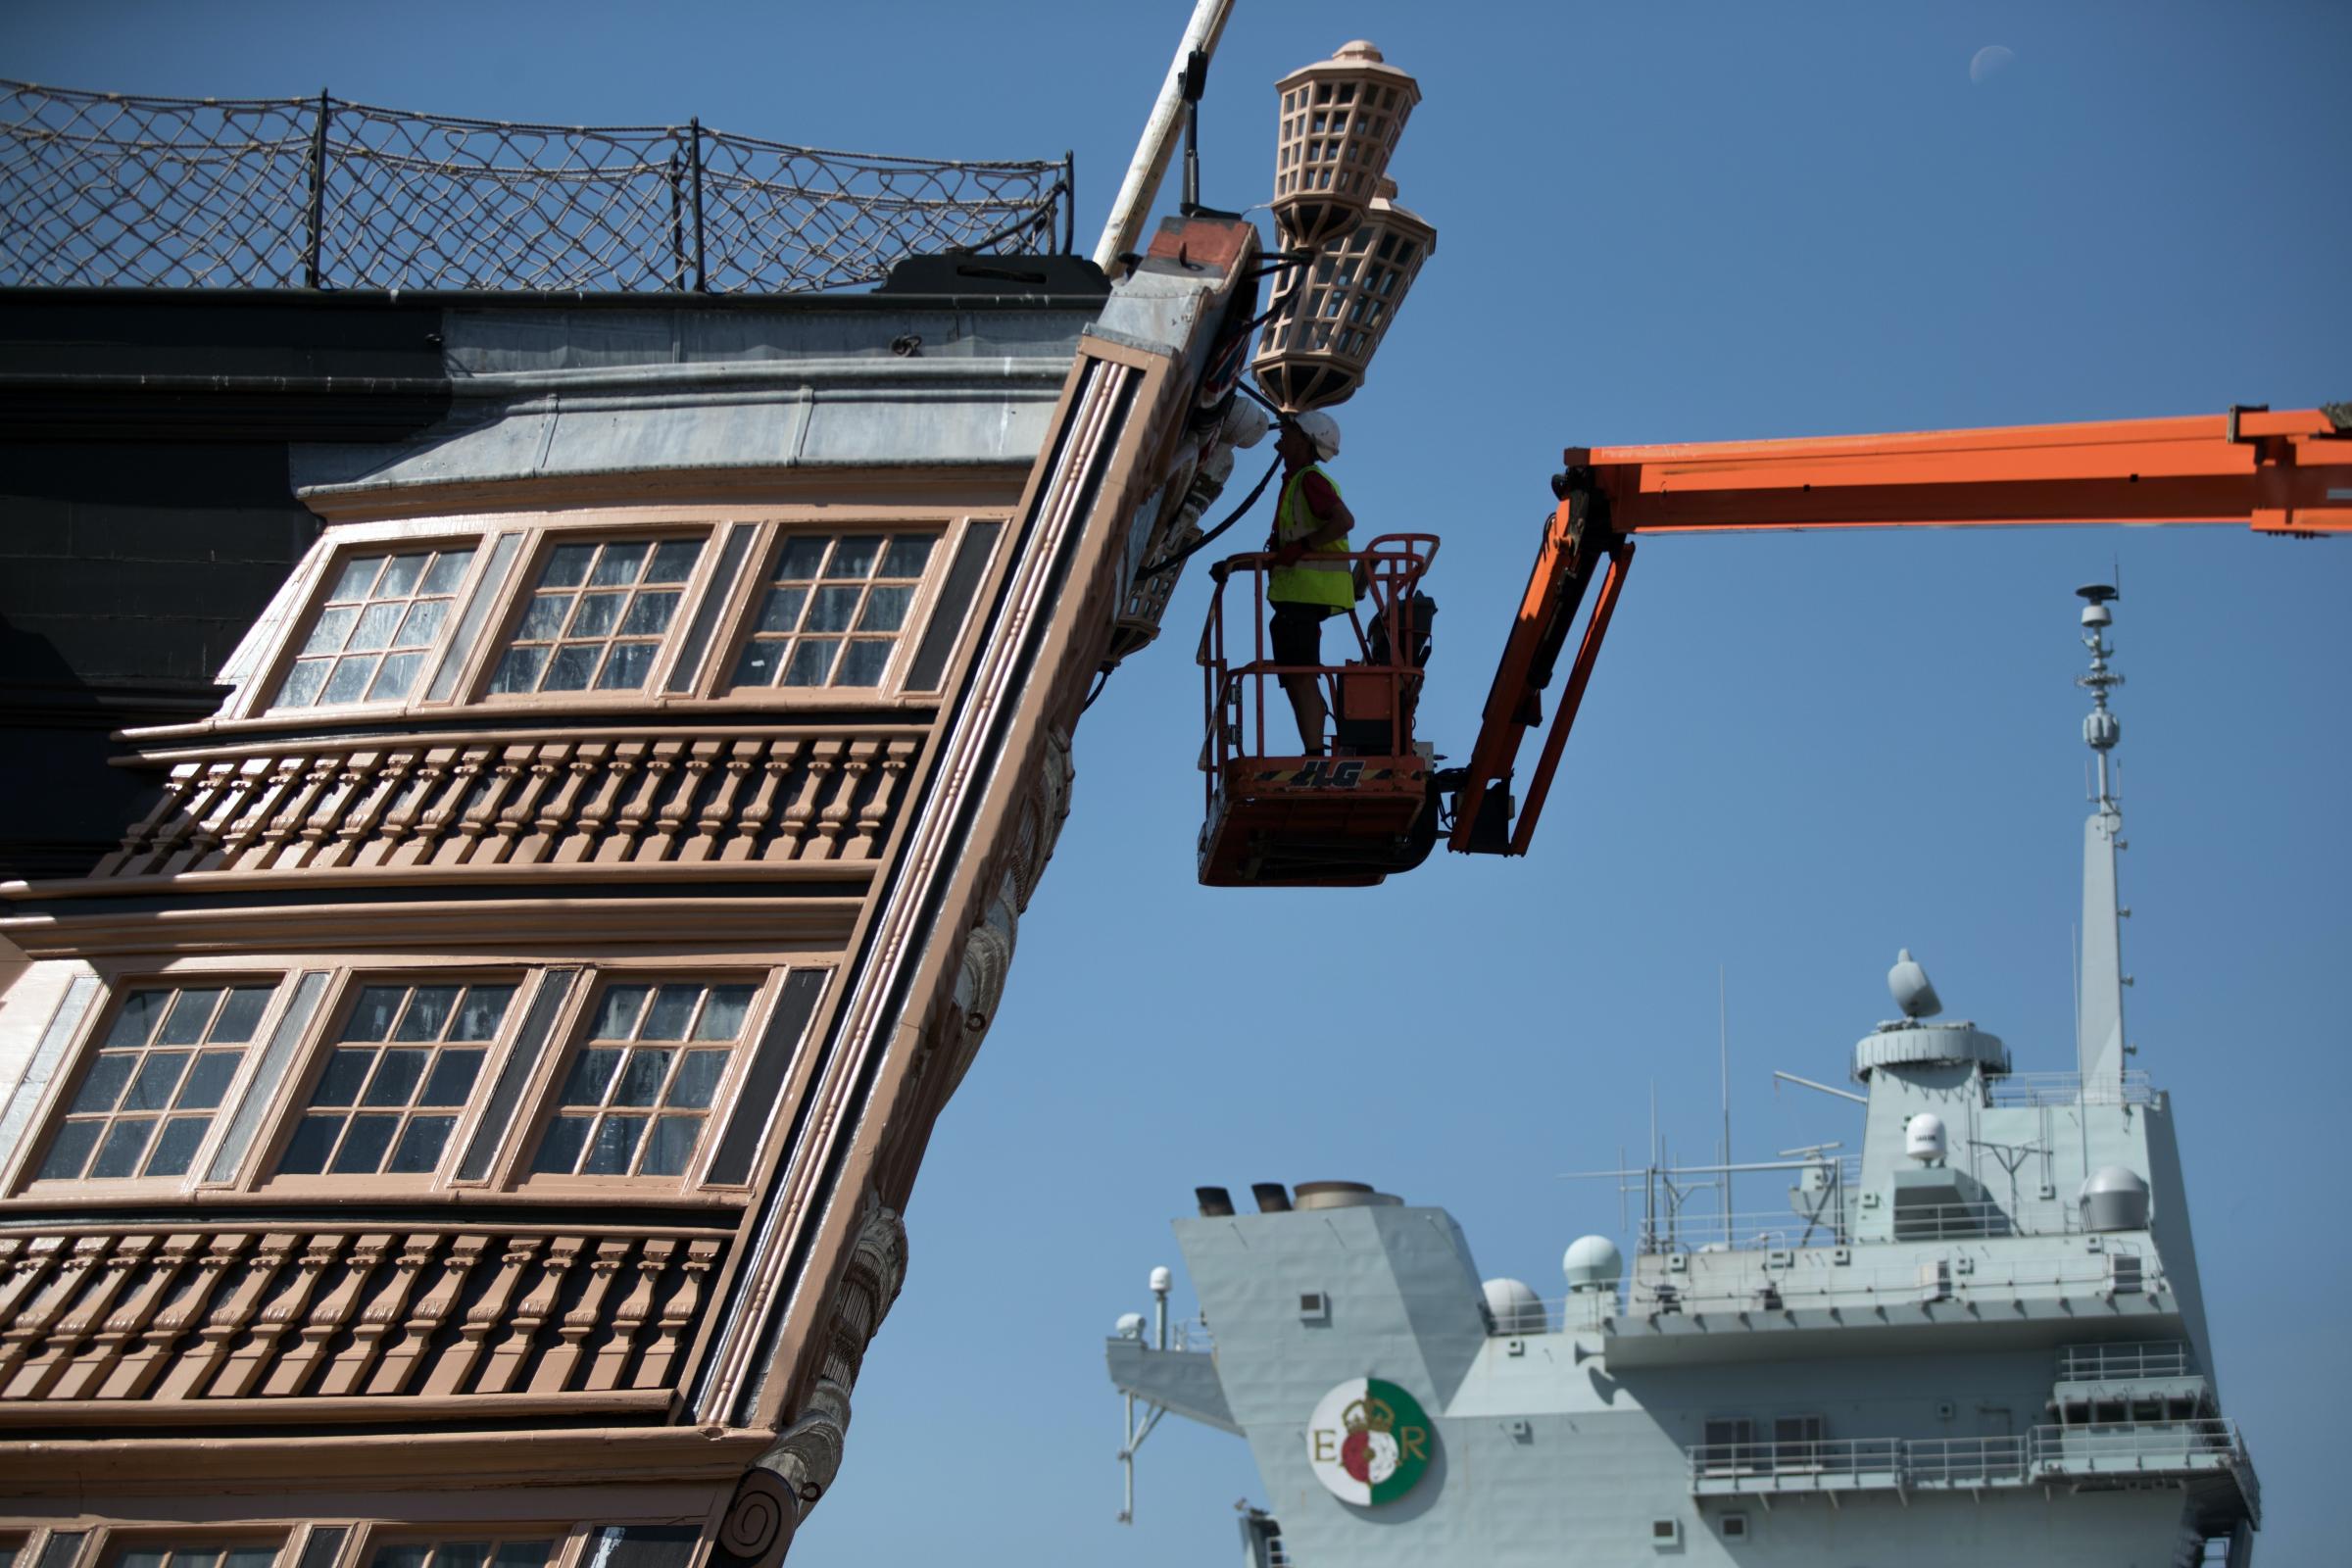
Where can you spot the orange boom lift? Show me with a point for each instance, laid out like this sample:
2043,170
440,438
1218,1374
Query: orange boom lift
2283,474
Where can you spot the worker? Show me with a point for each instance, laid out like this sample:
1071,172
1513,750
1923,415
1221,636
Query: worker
1311,521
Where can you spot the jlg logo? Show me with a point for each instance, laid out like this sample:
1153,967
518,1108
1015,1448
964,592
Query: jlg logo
1325,774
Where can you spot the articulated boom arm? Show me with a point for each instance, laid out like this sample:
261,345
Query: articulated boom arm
2282,473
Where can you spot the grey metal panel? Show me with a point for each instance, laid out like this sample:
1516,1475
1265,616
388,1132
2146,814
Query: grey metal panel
1184,1382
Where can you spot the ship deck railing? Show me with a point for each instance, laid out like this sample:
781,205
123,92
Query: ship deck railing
2128,1361
2079,1456
1779,1230
2067,1089
1753,1282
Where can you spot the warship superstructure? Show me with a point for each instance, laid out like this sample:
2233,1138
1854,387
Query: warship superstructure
1980,1340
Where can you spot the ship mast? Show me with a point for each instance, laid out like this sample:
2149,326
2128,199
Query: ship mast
2099,1023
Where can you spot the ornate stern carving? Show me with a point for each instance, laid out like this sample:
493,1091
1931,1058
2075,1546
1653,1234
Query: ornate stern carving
808,1453
988,946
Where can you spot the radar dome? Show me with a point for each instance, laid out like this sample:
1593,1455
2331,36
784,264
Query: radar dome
1163,1280
1131,1325
1515,1307
2114,1198
1592,1263
1924,1139
1913,993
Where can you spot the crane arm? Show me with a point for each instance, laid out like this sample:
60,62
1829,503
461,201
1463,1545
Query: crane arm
2284,473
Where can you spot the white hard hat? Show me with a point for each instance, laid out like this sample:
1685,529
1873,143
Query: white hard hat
1320,428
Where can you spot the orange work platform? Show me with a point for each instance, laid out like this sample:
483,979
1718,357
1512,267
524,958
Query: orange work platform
1367,806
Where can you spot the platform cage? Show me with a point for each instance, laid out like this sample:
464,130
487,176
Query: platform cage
1364,806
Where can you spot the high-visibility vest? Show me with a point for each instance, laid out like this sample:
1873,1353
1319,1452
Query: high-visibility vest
1329,583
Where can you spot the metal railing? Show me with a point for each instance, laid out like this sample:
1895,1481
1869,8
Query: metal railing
2066,1089
2148,1448
1749,1284
1779,1230
116,190
2118,1364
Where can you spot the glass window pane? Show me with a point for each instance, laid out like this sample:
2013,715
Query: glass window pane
863,663
641,1084
401,1556
625,671
364,1145
802,557
428,1009
671,1009
158,1076
302,684
243,1557
522,1554
358,573
400,578
571,667
619,564
854,556
812,662
697,1082
375,630
673,561
585,1086
567,566
519,671
885,608
420,1146
189,1015
120,1155
396,1075
208,1080
781,609
483,1010
609,1151
345,1071
392,682
177,1147
671,1147
724,1014
326,637
617,1019
448,571
832,608
909,555
371,1017
145,1557
648,615
349,683
103,1084
241,1015
597,615
454,1072
757,666
306,1152
559,1150
137,1022
422,621
545,618
69,1150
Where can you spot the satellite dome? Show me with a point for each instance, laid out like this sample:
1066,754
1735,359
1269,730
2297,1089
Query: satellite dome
1592,1263
1913,993
2114,1198
1131,1325
1515,1307
1163,1280
1924,1139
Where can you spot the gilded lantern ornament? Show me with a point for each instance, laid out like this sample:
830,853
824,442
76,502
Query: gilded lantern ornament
1339,122
1328,318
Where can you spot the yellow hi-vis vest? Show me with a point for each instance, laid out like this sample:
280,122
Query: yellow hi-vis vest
1329,583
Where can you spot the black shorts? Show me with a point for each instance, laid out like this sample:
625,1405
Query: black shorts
1296,633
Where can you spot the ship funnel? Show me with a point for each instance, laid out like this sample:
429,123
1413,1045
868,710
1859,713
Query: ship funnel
1913,992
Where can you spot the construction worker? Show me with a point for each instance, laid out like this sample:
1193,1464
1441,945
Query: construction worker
1311,521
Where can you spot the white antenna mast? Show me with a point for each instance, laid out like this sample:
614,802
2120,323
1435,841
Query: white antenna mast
2099,1016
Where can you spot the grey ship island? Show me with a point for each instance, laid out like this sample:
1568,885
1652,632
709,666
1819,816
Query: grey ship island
1982,1341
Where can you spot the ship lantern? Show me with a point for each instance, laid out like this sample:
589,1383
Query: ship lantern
1339,122
1329,316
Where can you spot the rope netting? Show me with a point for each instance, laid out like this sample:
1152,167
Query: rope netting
100,189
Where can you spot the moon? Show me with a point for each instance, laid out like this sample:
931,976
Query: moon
1989,61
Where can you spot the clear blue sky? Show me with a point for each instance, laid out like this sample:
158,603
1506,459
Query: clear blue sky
1657,222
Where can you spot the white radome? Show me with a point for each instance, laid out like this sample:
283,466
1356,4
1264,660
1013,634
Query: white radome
1515,1307
1592,1263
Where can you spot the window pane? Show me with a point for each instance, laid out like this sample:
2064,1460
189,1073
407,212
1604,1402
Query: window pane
671,1009
559,1150
484,1009
522,1554
302,684
349,683
648,615
208,1080
673,561
620,563
102,1084
400,578
801,557
567,566
242,1016
177,1147
812,662
885,608
863,664
628,667
781,610
544,621
375,630
372,1018
189,1015
598,614
519,670
420,1148
158,1076
757,666
589,1075
832,608
449,569
400,1556
306,1151
364,1145
428,1009
616,1019
326,637
671,1147
616,1141
69,1150
137,1022
909,555
421,624
697,1082
454,1072
641,1084
358,573
345,1071
249,1558
393,680
396,1075
570,671
119,1155
724,1013
853,557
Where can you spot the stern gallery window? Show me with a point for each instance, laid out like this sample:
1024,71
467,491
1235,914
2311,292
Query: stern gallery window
150,1093
379,621
637,1096
598,616
398,1079
834,610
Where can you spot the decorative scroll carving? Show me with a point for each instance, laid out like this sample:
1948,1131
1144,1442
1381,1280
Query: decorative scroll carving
988,946
150,1317
513,801
808,1453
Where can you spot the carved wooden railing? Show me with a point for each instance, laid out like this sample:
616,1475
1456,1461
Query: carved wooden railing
752,798
171,1323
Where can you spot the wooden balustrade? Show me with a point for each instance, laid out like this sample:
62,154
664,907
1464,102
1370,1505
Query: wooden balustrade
468,802
158,1324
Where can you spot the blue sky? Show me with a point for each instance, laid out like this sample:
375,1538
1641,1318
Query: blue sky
1655,224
